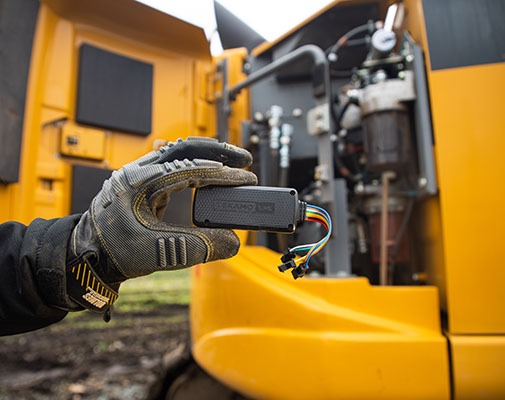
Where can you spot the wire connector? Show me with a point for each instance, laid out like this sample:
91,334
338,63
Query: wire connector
298,272
288,255
297,258
302,211
287,265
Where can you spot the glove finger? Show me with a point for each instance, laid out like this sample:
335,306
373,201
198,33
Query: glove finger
206,149
157,192
186,173
158,181
200,173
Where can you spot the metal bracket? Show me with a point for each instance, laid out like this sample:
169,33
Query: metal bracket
318,120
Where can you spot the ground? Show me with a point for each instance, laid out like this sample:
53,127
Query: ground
83,357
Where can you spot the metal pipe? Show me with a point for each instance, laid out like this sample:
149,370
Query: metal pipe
383,268
309,50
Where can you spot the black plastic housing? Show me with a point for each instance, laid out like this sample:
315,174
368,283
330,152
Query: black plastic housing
256,208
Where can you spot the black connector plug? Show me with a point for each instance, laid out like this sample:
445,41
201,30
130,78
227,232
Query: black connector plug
298,272
287,265
288,255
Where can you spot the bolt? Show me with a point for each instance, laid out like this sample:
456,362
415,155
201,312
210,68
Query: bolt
353,94
422,182
258,116
359,188
380,76
297,112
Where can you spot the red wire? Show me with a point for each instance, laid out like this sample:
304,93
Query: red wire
322,222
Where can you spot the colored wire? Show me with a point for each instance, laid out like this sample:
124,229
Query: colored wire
325,220
305,252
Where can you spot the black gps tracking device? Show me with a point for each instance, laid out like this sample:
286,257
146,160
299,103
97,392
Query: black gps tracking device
256,208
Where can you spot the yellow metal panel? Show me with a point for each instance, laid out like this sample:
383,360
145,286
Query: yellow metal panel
79,141
59,64
429,245
23,194
240,107
269,336
469,126
126,27
478,364
414,23
287,364
135,21
50,195
461,231
205,120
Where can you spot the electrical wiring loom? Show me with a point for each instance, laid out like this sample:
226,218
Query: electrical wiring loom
298,258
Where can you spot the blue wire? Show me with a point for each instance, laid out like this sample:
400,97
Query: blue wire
325,238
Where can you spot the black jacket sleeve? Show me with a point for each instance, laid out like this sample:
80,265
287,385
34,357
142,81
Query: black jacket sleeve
32,273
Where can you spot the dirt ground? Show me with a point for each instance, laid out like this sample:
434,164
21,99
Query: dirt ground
83,357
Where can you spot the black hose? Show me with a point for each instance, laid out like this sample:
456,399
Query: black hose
342,169
338,122
368,27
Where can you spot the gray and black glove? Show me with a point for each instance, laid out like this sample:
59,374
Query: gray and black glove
122,234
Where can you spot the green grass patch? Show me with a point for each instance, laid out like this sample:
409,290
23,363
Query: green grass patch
147,293
154,290
139,295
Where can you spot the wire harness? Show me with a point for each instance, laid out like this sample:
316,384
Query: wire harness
297,258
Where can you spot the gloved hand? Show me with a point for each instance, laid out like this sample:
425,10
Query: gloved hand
122,234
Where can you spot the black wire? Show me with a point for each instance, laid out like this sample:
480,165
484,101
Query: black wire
368,27
338,126
338,121
358,42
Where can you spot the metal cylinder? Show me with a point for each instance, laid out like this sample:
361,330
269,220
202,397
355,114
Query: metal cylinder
387,140
386,122
396,211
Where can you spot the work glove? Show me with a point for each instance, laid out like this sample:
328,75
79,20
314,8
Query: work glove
123,236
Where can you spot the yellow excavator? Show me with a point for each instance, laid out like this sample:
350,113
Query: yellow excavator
388,114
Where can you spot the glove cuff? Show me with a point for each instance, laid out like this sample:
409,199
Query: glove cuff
87,289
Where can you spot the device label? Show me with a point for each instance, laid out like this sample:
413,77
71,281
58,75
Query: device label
244,207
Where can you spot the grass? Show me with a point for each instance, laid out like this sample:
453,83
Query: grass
142,295
154,290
